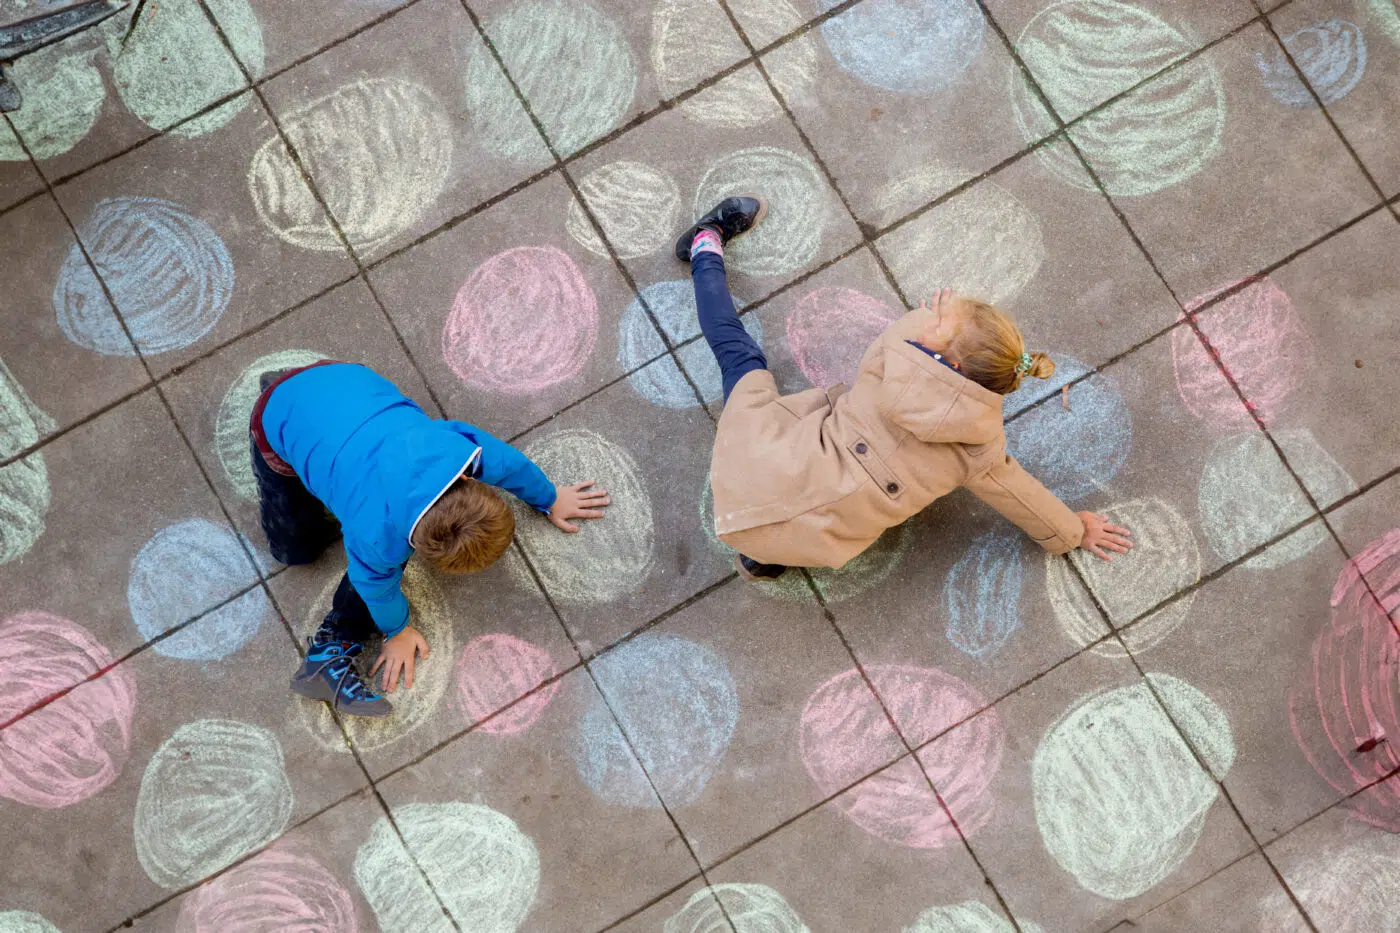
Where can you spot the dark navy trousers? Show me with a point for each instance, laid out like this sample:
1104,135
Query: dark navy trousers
737,353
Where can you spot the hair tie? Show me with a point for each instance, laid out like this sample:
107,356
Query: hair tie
1024,366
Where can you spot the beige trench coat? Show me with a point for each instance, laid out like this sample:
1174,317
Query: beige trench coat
813,479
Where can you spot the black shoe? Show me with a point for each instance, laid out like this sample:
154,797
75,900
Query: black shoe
329,674
754,572
730,217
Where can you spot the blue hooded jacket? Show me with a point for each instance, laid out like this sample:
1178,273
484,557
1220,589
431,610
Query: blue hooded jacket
378,462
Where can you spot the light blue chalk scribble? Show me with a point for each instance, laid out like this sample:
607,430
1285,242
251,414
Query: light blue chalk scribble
678,706
982,594
185,570
662,383
899,45
1332,56
1067,369
1075,451
170,273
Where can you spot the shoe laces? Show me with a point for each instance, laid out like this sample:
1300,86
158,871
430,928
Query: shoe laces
336,659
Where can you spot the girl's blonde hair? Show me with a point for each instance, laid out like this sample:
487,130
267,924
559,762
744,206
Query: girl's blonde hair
991,352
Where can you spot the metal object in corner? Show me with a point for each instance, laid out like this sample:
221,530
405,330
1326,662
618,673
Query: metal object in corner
21,37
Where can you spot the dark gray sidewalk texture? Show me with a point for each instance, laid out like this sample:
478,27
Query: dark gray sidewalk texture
1189,203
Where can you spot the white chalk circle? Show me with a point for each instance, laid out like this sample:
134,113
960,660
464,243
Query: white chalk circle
432,678
380,151
637,205
1247,496
183,572
169,272
63,95
22,921
213,792
1386,15
1165,560
1119,798
1346,889
898,45
662,383
1083,52
967,917
751,908
985,243
797,208
571,63
231,425
607,559
24,484
483,868
174,63
677,707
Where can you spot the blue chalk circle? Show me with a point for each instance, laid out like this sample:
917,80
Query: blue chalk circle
982,595
1075,452
1332,56
169,272
184,571
914,46
662,383
1067,369
678,706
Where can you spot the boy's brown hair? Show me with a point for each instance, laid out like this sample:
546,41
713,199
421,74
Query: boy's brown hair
991,351
467,529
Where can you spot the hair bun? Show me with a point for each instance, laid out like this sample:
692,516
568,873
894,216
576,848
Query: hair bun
1042,367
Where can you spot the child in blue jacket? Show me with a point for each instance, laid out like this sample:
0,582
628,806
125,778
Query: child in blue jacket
339,437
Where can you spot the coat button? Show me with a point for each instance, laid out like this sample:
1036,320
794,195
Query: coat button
861,448
892,488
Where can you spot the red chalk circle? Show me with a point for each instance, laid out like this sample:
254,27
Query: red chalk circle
283,889
523,321
830,329
845,736
495,670
64,752
1262,342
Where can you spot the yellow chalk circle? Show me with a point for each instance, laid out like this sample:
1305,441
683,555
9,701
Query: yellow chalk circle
63,95
608,558
1083,52
483,868
637,205
798,202
1119,798
967,917
380,151
431,679
753,908
231,426
24,484
213,792
984,242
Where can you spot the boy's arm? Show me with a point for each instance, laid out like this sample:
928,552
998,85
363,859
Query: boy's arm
503,466
1013,492
382,592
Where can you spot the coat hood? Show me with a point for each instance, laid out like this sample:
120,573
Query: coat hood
935,403
424,462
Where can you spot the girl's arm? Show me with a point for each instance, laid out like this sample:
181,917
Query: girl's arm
1013,492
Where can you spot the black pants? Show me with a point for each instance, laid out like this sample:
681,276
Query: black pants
299,529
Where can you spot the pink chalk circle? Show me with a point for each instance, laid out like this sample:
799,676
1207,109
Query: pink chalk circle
1261,341
283,889
845,735
65,751
495,670
1375,572
830,329
523,321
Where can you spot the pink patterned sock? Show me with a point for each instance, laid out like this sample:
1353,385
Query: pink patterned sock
706,241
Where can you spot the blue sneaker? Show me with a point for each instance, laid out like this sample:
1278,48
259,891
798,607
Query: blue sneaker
329,674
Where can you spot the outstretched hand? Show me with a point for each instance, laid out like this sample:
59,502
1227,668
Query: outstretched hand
1099,534
577,501
398,655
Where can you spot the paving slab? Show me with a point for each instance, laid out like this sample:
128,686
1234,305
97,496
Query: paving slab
1366,527
18,177
291,32
1215,903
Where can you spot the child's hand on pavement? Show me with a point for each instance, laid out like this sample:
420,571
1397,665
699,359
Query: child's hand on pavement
1099,534
577,501
398,654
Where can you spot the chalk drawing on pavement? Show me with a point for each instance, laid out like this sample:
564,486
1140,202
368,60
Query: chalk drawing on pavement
282,888
63,96
982,593
231,443
829,330
751,908
897,45
24,485
1075,451
1347,888
1332,55
496,670
967,917
798,208
22,921
637,205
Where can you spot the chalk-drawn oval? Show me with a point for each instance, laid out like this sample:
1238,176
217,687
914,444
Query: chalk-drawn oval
214,791
845,735
1386,15
637,205
524,320
22,921
1346,888
901,46
571,63
482,868
1119,798
829,330
751,908
184,571
797,208
175,64
431,680
63,95
607,559
968,917
73,747
169,272
677,706
1075,451
1083,52
982,593
496,670
985,243
1247,496
1332,55
282,888
380,151
231,425
24,484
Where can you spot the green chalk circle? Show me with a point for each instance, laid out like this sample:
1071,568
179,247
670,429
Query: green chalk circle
1083,52
63,95
967,917
24,484
22,921
1386,15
